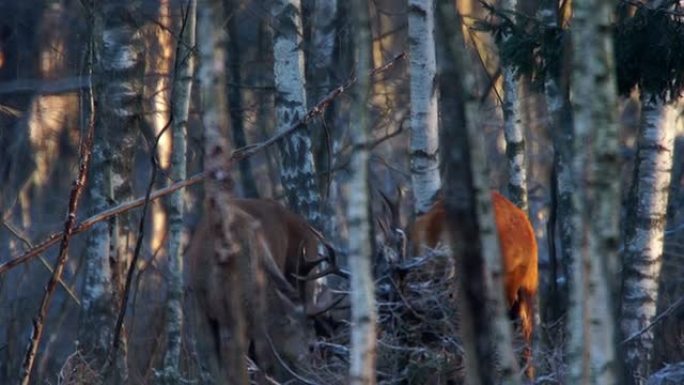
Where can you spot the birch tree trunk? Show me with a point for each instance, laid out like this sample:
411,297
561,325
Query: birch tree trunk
483,322
182,87
514,132
325,138
670,289
297,169
643,248
161,59
560,125
98,310
592,357
424,157
363,318
119,68
235,99
219,189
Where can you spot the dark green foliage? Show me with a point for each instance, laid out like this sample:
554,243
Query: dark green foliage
649,49
533,49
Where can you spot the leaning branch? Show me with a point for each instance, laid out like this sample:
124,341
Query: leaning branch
88,223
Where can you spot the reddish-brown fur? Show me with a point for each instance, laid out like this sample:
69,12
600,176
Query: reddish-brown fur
277,238
518,251
290,238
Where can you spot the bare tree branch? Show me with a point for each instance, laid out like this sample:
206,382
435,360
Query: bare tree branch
238,154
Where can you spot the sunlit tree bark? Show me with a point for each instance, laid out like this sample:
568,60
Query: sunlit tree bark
643,245
159,67
671,290
182,86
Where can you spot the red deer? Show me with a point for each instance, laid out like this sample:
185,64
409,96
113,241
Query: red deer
285,247
518,251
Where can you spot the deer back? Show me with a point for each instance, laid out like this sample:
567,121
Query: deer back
518,254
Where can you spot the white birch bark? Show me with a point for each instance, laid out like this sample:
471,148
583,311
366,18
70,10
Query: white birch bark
297,172
363,311
596,151
182,86
643,247
424,148
98,316
513,130
604,216
119,68
514,135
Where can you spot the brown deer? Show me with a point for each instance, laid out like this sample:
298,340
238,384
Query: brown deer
518,252
281,245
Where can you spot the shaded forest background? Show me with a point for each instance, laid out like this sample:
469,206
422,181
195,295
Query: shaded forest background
44,115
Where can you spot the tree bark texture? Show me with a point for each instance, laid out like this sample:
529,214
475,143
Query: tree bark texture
559,124
325,136
514,132
118,94
159,53
180,104
424,150
363,311
297,172
643,245
596,155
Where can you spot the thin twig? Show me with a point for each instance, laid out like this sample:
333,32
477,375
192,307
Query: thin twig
153,177
247,151
666,313
90,222
24,238
138,245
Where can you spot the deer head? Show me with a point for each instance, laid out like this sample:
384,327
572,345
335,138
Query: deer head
278,246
